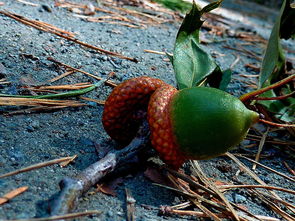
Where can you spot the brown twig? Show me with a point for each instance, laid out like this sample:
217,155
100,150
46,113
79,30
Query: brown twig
199,172
266,167
37,25
62,217
67,73
257,186
28,3
16,101
261,144
12,194
36,166
130,201
111,83
252,174
289,168
73,188
253,94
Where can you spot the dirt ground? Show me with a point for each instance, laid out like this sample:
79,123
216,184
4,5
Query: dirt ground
26,139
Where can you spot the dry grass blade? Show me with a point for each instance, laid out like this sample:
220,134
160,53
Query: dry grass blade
275,208
28,3
12,194
289,168
61,87
51,29
36,166
61,76
108,82
93,100
130,201
253,175
257,186
15,101
261,144
276,200
154,52
266,167
65,163
203,177
66,216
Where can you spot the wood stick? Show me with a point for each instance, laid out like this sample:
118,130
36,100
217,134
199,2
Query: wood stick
73,188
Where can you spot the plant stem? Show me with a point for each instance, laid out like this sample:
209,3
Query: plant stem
253,94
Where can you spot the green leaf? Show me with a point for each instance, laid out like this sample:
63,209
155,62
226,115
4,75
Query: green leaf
274,59
273,65
176,5
211,6
226,77
190,62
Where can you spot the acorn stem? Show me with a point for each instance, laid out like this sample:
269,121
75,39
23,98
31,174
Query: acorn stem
276,124
253,94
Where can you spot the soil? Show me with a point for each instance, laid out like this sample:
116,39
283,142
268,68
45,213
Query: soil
26,139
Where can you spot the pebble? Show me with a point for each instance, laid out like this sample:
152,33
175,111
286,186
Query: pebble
239,198
35,124
46,8
110,213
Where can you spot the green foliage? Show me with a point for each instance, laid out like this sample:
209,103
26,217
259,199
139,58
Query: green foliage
176,5
192,64
273,64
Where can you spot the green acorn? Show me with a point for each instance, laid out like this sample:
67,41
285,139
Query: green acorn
192,123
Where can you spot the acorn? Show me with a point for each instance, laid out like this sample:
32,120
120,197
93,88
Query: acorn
193,123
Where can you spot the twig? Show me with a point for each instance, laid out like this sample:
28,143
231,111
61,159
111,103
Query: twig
250,95
33,23
202,176
262,141
111,83
289,168
266,167
66,216
28,3
238,58
257,186
61,76
36,166
154,52
276,124
252,174
73,188
12,194
130,201
16,101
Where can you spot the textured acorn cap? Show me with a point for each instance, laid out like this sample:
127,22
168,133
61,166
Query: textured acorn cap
207,122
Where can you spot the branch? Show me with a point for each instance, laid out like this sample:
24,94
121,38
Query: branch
73,188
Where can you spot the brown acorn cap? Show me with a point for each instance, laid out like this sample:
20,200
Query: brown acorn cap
162,137
122,110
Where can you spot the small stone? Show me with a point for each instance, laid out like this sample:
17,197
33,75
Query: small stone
35,124
110,213
30,128
239,198
46,8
